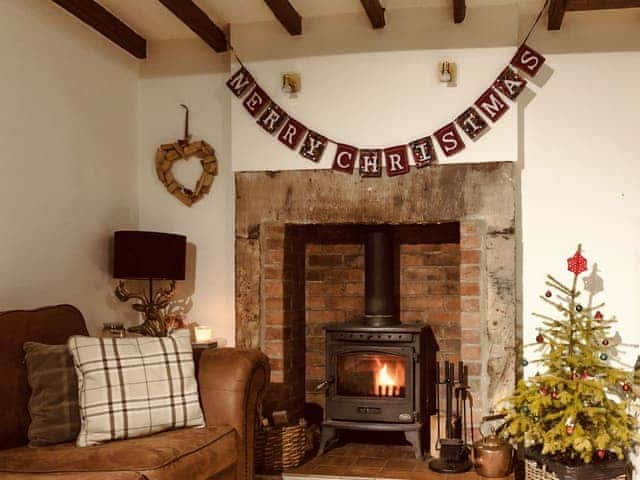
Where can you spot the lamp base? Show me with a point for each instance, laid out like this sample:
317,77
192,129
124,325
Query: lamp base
150,328
151,306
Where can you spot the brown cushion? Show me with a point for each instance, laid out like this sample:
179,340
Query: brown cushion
196,453
50,325
53,405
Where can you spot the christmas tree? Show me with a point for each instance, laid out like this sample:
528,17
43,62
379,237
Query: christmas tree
578,405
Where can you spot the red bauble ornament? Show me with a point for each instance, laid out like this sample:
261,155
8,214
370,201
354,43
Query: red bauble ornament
547,294
585,374
539,338
554,395
570,429
598,315
626,387
605,342
577,264
601,454
574,375
544,391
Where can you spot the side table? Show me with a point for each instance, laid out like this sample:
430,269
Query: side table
198,348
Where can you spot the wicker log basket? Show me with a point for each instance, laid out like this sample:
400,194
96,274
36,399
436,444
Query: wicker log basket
538,467
281,448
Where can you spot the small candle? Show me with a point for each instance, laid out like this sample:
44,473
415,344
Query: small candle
203,334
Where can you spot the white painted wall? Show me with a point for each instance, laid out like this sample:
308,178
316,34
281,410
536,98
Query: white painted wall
67,137
580,182
209,223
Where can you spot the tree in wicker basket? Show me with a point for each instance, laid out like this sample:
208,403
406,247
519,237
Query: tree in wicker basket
576,411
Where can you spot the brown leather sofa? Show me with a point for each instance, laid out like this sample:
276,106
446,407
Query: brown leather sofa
231,381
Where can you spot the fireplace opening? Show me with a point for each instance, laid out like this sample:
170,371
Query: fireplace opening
365,311
371,375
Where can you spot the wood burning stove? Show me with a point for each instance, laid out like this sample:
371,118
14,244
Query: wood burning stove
380,374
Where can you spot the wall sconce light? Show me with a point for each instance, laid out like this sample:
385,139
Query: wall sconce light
291,82
447,72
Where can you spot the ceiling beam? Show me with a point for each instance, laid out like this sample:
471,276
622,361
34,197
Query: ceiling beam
556,14
286,15
375,12
558,7
459,10
198,21
580,5
103,21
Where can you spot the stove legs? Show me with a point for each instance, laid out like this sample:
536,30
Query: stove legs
412,432
327,435
414,438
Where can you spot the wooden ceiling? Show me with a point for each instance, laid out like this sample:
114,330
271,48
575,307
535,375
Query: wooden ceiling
198,21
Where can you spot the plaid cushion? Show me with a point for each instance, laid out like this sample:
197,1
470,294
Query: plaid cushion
53,405
130,387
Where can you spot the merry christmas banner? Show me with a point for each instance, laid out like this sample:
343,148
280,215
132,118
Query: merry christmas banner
473,122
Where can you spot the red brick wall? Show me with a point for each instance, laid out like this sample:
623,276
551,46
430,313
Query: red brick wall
284,322
430,292
334,292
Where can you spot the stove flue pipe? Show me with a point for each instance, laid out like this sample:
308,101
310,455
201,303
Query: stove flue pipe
379,284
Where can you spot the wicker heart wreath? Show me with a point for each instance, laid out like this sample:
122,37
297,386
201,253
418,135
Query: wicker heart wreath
169,153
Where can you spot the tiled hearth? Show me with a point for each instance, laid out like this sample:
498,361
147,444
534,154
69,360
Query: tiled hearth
374,461
299,266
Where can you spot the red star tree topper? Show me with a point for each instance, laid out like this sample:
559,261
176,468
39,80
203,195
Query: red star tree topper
577,264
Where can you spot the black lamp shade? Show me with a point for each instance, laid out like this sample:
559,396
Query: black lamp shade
149,255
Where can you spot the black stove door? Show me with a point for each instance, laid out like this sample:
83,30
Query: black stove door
372,383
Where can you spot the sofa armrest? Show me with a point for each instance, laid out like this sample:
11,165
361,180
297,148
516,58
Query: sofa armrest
232,382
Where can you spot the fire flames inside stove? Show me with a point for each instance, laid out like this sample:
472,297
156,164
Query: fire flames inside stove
371,375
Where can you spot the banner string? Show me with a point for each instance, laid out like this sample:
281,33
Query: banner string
334,142
544,7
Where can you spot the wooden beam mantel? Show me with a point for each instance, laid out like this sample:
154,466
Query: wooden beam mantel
459,10
375,12
557,8
286,15
103,21
198,21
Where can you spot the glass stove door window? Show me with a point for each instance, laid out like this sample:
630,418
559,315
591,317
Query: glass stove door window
371,374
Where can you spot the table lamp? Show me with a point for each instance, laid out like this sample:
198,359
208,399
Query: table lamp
149,256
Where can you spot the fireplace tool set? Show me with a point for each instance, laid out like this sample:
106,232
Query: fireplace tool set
454,446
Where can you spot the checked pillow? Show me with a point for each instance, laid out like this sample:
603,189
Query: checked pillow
132,387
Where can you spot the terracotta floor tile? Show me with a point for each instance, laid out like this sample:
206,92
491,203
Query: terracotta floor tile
422,465
395,474
370,462
405,464
340,450
428,475
344,460
379,451
363,471
337,470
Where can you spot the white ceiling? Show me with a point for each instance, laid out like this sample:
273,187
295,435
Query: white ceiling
154,22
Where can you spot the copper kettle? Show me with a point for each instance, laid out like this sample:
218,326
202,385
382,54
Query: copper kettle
492,456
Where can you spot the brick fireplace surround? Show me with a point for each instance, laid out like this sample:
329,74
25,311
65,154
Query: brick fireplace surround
300,256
